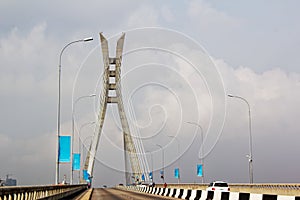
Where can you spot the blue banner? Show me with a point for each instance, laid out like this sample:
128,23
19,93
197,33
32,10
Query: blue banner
85,175
64,152
150,175
143,177
176,173
200,170
76,161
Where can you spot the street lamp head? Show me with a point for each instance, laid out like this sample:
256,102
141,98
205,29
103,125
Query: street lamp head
230,95
191,123
87,39
194,123
92,95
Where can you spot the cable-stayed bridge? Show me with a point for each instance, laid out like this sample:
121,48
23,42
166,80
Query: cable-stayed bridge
136,167
135,161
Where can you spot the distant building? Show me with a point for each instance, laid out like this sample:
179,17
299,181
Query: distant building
10,182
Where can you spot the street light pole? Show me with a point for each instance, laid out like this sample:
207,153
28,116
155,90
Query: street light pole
163,161
151,164
201,149
73,123
250,157
79,145
178,143
58,106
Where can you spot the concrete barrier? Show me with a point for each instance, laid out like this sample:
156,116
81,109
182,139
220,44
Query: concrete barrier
265,188
209,195
40,192
289,189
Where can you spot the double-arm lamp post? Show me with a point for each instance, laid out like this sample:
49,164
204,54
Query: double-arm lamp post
73,131
201,149
82,143
250,156
178,148
163,161
58,106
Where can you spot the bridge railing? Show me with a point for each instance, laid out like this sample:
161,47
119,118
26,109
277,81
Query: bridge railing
40,192
265,188
192,186
268,188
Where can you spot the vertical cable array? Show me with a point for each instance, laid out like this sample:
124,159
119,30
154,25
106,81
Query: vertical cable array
139,145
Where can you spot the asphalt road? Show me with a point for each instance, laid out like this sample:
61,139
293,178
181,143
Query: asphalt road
116,194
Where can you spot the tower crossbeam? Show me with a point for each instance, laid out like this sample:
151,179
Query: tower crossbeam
112,85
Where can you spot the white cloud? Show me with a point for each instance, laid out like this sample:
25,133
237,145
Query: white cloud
23,66
167,14
28,79
272,96
144,16
204,14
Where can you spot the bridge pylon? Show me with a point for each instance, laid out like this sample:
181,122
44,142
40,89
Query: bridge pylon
112,94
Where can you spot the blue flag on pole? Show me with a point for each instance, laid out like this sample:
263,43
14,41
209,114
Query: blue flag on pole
76,161
143,177
150,175
64,153
176,173
85,175
200,170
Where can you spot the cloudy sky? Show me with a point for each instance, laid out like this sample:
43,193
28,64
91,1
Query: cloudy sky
200,51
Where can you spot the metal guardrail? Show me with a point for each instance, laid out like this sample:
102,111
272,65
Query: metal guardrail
185,186
51,192
291,189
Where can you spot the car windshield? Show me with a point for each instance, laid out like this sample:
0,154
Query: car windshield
221,185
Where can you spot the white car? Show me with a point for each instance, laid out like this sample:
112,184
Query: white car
142,185
218,186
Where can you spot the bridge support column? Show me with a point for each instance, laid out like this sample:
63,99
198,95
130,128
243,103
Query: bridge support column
112,94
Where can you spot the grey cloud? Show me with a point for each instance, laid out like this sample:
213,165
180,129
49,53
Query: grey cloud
32,36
